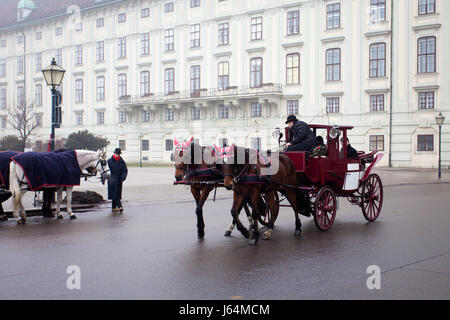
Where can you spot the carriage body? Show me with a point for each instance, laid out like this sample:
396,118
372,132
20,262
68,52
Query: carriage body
325,177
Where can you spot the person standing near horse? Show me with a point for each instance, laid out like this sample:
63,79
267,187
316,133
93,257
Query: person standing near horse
119,171
302,137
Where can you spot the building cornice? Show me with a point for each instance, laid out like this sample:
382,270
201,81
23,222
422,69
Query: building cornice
427,27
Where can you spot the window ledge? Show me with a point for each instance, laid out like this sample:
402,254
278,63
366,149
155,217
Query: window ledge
428,74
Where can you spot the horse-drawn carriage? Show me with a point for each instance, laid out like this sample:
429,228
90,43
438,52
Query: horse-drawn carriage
311,182
332,174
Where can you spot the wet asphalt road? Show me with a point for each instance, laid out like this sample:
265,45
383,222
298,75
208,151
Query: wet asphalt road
151,252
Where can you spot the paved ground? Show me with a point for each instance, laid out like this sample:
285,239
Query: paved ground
151,251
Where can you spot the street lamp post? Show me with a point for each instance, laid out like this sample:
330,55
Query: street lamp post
54,75
440,121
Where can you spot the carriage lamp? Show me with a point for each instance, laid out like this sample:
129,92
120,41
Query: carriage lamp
440,122
54,75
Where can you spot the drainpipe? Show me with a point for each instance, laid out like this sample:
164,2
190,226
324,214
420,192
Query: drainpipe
391,83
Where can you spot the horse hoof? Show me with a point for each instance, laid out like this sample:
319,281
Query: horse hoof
59,217
21,221
253,242
267,235
298,232
73,217
201,235
3,218
246,234
227,233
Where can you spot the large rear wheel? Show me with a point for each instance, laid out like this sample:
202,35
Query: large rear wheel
325,209
372,198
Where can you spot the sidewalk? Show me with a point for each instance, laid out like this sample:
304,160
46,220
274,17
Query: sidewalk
155,184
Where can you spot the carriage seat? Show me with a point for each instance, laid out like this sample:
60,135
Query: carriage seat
319,151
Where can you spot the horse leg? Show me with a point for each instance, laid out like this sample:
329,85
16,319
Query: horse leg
17,196
292,198
237,203
199,212
233,223
273,207
58,202
255,206
248,213
69,203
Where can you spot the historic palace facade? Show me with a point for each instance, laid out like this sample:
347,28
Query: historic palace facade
141,72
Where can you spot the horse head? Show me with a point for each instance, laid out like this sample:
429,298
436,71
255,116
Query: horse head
228,156
180,156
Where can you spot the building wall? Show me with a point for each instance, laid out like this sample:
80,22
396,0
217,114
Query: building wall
353,37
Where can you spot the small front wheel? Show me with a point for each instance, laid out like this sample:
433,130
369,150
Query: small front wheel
325,209
372,198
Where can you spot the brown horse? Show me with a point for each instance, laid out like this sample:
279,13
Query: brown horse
246,173
195,166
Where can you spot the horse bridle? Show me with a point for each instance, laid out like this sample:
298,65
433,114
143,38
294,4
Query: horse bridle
102,163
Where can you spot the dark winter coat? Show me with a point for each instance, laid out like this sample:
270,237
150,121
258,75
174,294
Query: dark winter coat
302,137
119,173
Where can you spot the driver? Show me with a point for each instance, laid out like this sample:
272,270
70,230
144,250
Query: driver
302,137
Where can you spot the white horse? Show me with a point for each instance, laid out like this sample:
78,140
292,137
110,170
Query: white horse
18,184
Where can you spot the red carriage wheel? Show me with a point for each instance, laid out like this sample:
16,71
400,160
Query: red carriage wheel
372,197
266,217
325,209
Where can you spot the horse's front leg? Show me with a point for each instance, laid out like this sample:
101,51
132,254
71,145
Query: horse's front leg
199,212
238,201
233,223
69,202
58,202
273,207
254,197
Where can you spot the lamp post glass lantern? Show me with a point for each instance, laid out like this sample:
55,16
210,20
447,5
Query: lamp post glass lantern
440,122
54,75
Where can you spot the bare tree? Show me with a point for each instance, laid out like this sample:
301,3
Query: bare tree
21,117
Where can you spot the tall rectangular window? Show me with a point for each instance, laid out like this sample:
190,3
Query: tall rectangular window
195,81
122,117
426,55
20,96
223,142
58,31
100,88
145,116
100,22
293,22
122,18
145,44
224,33
3,98
145,12
3,122
168,7
195,113
256,109
195,3
256,72
169,80
38,62
79,118
377,10
333,64
377,60
377,102
195,36
78,90
169,144
292,107
145,145
100,117
122,84
169,115
122,145
224,75
79,54
426,100
20,65
145,83
169,40
122,47
100,51
58,56
376,142
223,111
38,118
427,7
256,28
2,67
333,105
425,142
293,68
333,16
38,95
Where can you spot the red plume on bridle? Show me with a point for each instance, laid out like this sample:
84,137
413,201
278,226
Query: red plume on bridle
226,152
185,146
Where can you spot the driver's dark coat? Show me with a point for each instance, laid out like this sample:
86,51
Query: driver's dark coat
302,137
119,173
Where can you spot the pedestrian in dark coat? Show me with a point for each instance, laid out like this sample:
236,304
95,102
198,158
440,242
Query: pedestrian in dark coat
119,171
302,137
